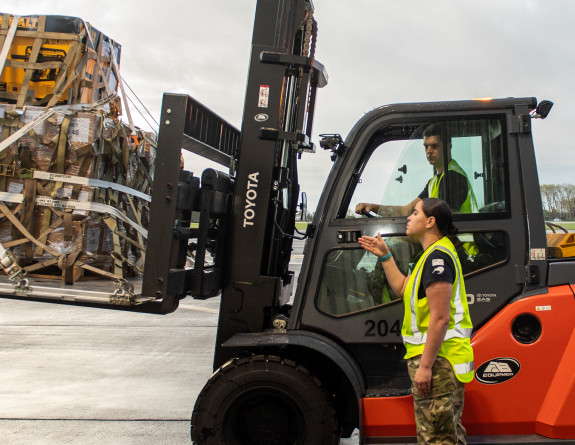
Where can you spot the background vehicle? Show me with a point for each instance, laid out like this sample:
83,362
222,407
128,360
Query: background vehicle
314,370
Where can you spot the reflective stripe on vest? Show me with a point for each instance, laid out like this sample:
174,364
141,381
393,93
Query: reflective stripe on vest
420,339
457,331
463,368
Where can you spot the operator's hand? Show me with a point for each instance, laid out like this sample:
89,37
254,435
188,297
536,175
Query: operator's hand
422,381
376,245
366,207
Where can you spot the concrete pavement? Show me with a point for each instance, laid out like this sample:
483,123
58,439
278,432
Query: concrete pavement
87,375
94,432
83,376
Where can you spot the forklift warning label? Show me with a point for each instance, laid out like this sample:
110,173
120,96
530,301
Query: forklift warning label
264,96
537,254
251,195
497,370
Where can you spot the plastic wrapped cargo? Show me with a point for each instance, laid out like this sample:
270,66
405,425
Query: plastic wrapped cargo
78,183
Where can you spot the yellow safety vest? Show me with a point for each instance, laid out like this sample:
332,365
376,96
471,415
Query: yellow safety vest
456,346
470,203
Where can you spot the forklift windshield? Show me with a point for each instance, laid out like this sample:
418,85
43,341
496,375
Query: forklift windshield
462,162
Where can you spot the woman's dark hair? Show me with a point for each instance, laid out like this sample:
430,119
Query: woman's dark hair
441,212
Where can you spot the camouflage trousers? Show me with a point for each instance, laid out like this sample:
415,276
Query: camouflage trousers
438,415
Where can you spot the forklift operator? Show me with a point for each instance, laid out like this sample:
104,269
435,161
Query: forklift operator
461,198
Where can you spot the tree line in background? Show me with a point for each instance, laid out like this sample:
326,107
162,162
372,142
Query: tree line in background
558,201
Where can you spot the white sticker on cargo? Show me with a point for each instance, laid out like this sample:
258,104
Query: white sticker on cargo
15,187
92,239
79,129
264,96
542,308
64,193
84,195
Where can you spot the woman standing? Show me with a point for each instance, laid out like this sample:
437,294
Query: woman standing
436,325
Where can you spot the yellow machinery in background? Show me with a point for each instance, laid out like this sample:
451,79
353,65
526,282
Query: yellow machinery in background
561,245
55,60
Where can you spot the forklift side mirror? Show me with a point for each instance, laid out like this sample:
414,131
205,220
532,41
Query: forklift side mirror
303,206
543,109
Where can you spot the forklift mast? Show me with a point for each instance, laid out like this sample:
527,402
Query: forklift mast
247,216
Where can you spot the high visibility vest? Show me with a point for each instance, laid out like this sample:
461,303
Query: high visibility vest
456,346
470,203
468,206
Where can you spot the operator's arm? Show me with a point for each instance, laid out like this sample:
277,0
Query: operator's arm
408,208
379,248
383,210
439,299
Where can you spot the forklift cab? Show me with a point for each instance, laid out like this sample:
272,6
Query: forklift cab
394,171
343,293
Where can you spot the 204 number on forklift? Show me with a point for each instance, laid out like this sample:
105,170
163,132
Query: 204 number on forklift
264,399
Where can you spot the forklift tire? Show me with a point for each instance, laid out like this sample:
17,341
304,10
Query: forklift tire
264,400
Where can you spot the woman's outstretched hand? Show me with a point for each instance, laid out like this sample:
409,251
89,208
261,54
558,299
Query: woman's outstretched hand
376,245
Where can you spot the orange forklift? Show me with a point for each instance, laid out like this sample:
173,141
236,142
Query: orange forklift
309,364
312,369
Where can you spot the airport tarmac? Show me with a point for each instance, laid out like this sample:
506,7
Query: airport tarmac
83,376
76,375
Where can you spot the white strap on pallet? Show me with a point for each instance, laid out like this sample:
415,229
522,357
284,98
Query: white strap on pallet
85,107
70,179
74,205
8,41
25,129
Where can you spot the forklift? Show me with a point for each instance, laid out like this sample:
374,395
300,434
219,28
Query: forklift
310,366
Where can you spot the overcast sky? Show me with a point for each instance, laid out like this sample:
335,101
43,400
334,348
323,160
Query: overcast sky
375,51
